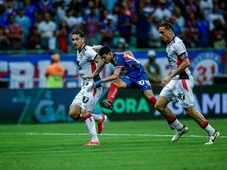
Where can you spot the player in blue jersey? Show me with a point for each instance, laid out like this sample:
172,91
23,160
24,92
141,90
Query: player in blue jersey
135,75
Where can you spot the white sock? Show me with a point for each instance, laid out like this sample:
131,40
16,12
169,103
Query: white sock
97,118
90,123
177,125
210,130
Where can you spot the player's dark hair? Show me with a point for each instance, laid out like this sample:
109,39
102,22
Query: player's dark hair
79,32
167,26
104,50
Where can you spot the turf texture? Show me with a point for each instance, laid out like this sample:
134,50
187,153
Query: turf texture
128,145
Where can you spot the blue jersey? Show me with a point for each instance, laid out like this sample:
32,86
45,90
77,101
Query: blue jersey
126,62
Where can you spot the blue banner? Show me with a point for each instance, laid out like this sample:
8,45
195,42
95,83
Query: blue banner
28,71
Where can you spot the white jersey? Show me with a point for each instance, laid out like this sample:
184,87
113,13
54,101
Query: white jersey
181,86
88,96
174,52
85,62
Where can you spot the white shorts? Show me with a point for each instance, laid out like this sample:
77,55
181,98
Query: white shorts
181,90
87,97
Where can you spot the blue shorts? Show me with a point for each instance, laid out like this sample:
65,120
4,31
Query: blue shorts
140,82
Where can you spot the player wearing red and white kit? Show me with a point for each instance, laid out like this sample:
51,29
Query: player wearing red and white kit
178,85
84,102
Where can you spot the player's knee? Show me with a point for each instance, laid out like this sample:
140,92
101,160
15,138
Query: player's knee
74,115
159,107
115,83
83,112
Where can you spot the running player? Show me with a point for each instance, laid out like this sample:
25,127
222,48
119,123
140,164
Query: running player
178,85
135,75
84,102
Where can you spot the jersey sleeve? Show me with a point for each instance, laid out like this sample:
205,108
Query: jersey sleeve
180,49
119,58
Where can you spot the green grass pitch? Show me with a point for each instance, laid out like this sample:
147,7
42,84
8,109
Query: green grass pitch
130,145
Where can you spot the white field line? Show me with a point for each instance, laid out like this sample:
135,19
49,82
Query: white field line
103,134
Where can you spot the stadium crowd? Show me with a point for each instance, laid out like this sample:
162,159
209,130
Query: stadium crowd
47,24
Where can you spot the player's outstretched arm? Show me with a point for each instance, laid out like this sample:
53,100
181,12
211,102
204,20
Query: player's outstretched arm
114,76
100,65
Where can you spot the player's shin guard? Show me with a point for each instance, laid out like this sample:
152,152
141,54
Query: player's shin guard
204,124
112,92
97,117
176,124
170,122
90,123
207,127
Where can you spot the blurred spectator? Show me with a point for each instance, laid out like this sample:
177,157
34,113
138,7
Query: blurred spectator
110,5
29,11
62,36
148,7
108,31
122,44
202,24
34,39
61,10
131,7
4,42
142,28
91,24
178,30
71,20
24,22
46,29
10,9
3,16
218,35
191,32
152,69
46,6
191,7
115,13
103,15
214,16
89,5
206,6
181,5
57,2
161,13
75,7
14,33
180,20
38,19
55,73
91,15
223,10
155,41
124,25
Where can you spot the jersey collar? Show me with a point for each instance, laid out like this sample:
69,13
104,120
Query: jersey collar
172,41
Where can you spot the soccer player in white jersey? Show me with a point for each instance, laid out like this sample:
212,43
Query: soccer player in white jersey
178,85
84,102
